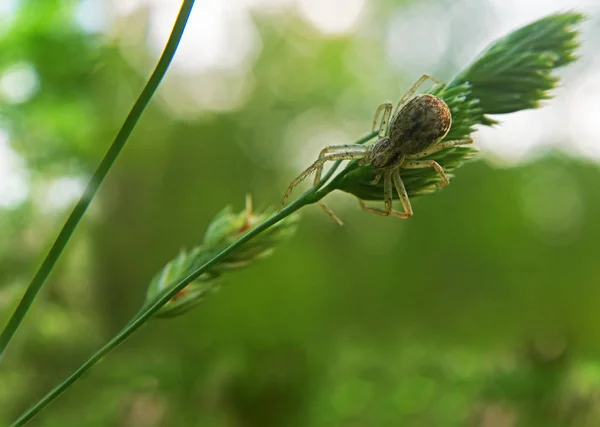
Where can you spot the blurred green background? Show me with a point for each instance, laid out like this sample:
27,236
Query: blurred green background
482,310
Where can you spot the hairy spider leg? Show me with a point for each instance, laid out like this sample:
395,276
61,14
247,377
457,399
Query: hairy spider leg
339,149
387,197
439,147
388,176
330,212
414,88
383,128
418,164
336,153
387,108
387,190
402,195
326,150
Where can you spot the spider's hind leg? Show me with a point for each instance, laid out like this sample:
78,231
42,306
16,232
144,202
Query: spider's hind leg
439,147
330,212
387,197
414,88
402,195
388,177
418,164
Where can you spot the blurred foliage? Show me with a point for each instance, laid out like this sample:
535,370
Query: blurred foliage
433,321
60,118
222,231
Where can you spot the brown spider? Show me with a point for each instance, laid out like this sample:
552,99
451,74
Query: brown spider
414,132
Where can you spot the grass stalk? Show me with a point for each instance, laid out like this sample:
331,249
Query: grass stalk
97,178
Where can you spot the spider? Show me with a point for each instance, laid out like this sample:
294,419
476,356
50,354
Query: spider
414,132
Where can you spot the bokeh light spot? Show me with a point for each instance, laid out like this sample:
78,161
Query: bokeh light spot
18,83
417,37
519,135
14,186
8,9
268,6
332,16
126,7
92,16
307,135
583,112
61,193
511,14
219,35
187,96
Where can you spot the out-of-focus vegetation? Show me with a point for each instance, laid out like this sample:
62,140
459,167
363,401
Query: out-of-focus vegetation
482,310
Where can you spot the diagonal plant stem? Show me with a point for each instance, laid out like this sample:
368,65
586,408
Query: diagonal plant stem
309,197
147,311
98,176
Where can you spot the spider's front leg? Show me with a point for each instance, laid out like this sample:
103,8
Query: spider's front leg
319,170
340,152
347,149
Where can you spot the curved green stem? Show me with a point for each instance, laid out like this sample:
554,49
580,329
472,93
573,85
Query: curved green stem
98,176
311,196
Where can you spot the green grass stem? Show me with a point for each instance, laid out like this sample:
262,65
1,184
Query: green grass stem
96,180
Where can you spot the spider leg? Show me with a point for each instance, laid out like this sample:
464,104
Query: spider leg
439,147
377,211
319,170
329,212
417,164
337,153
387,108
339,149
402,195
387,195
414,88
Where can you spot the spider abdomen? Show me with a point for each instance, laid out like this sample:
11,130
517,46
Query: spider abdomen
423,121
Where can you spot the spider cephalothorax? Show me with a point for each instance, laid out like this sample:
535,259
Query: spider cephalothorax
414,132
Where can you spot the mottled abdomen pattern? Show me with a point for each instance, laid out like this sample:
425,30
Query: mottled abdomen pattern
424,120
